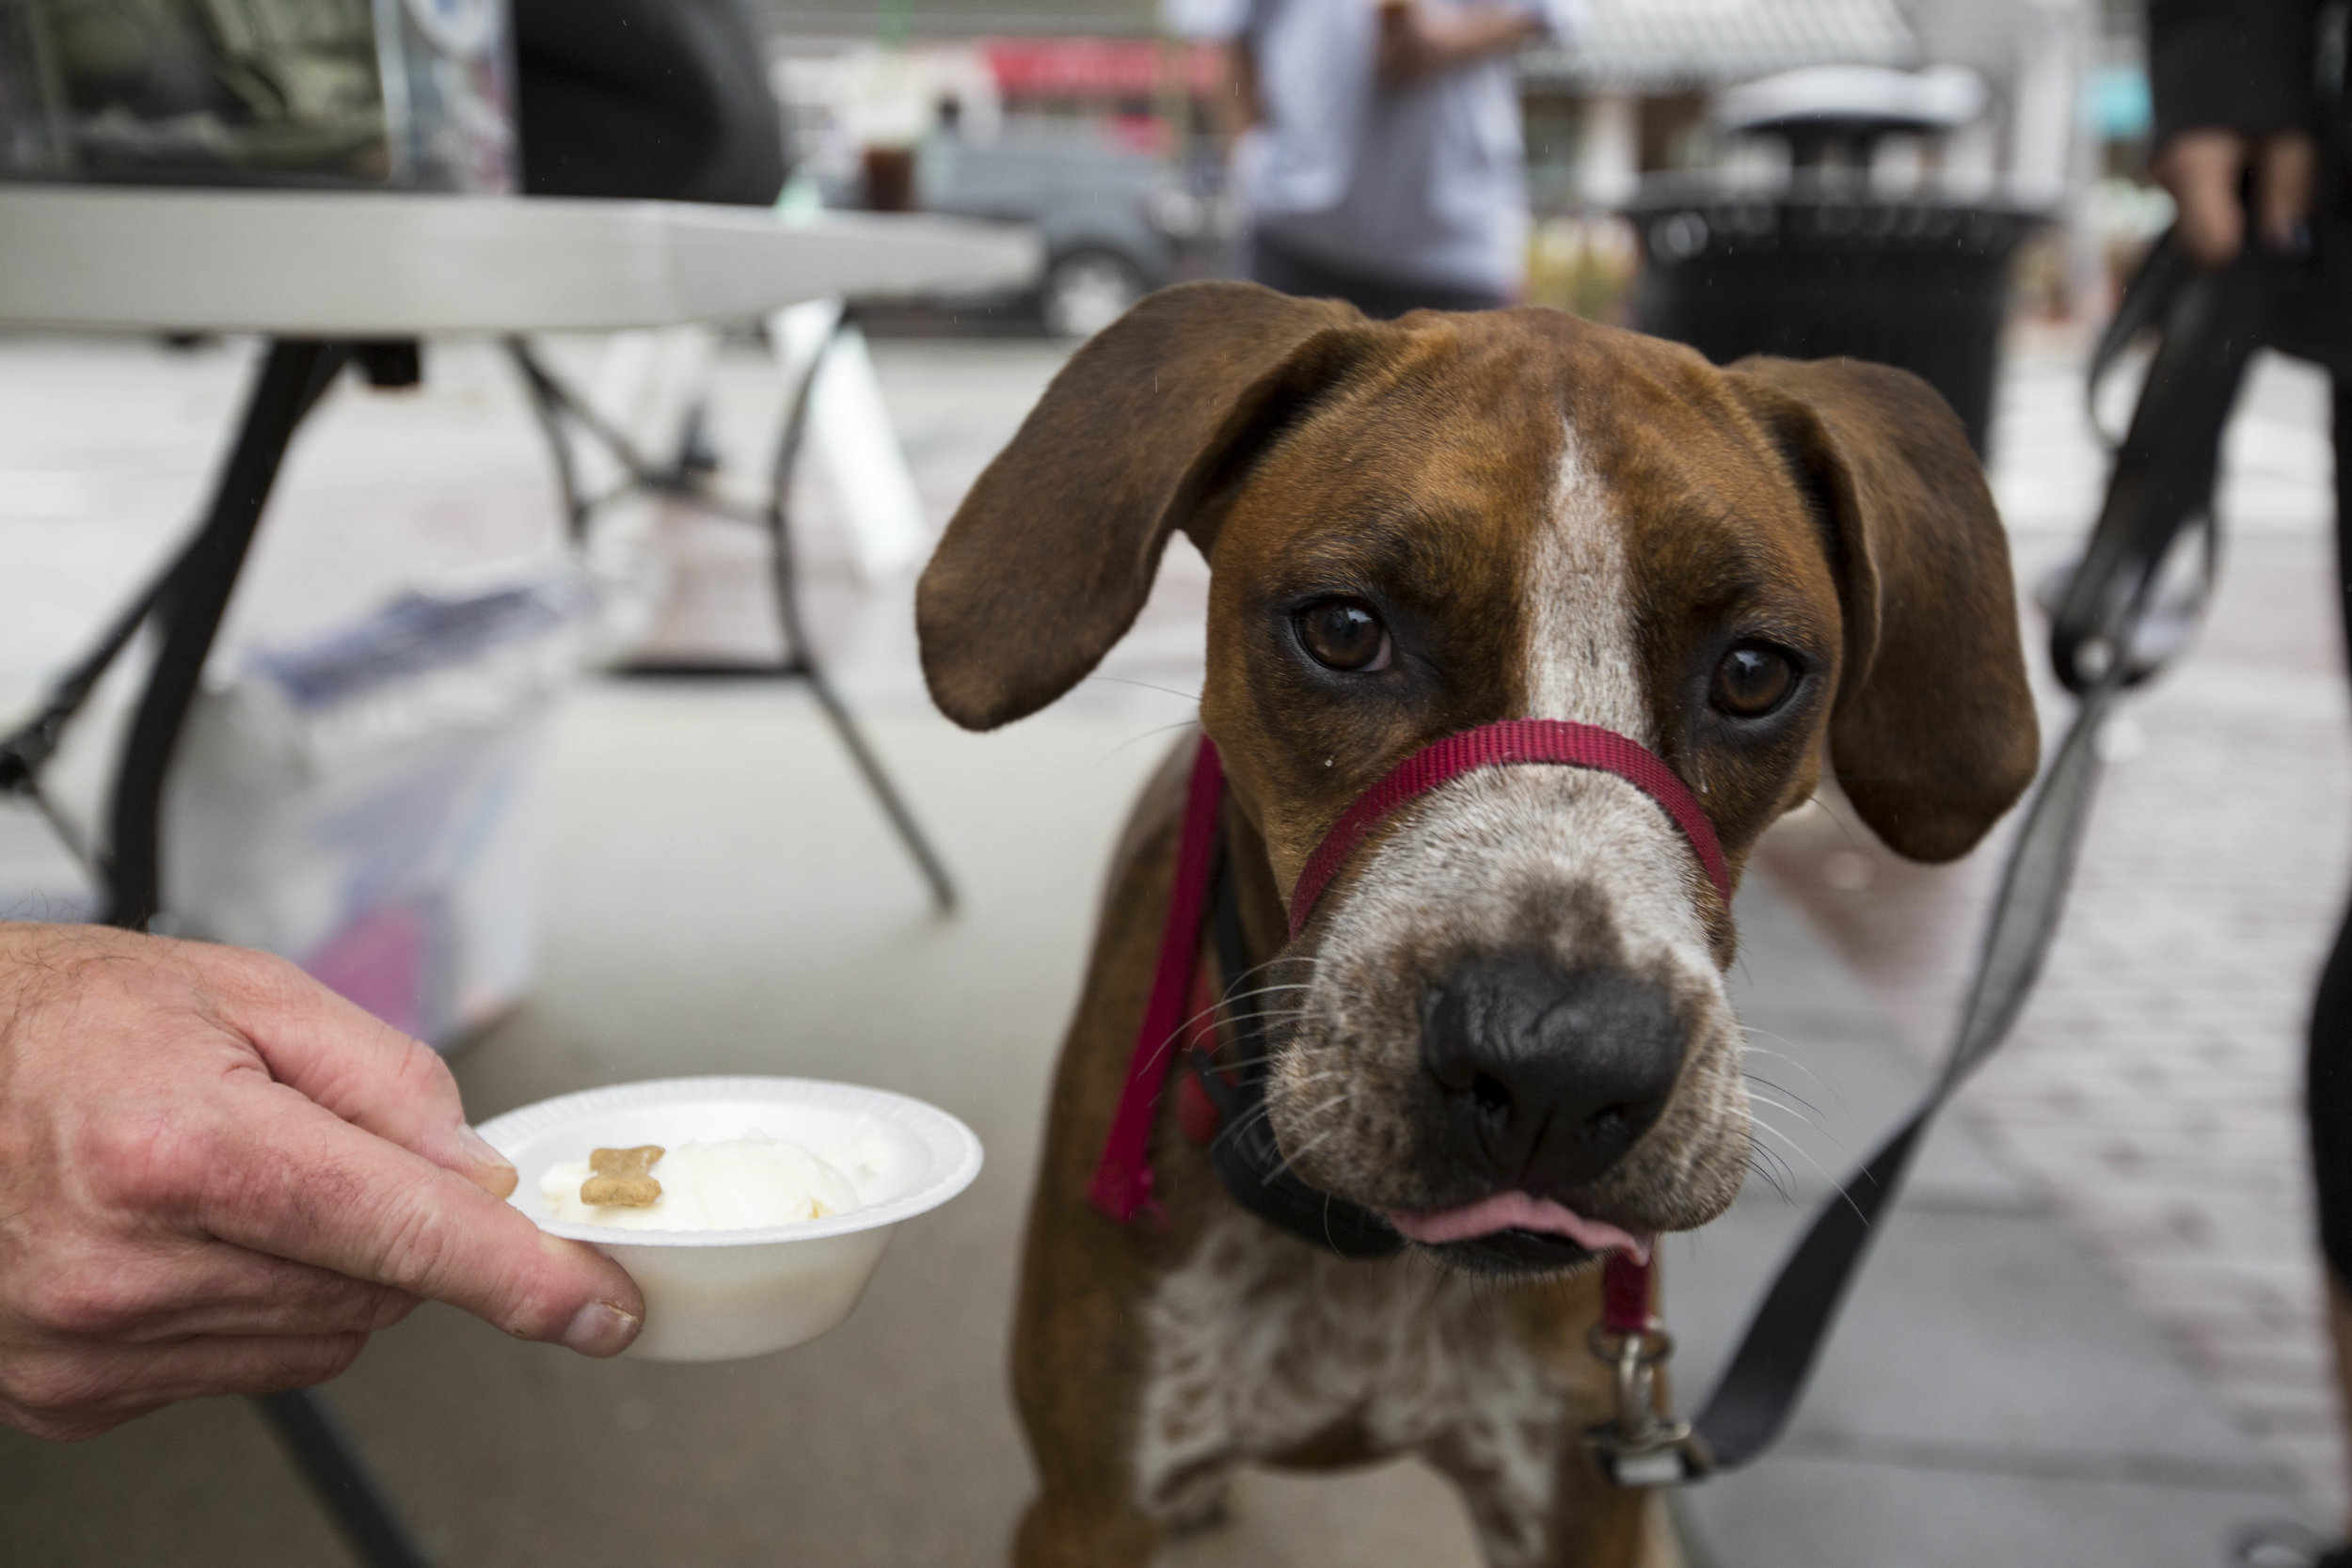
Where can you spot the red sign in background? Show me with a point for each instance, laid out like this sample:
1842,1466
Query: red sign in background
1099,68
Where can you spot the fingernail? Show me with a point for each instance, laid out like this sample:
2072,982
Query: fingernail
481,1148
493,1172
602,1328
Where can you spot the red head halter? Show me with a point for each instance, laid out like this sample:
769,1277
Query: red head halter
1555,741
1122,1180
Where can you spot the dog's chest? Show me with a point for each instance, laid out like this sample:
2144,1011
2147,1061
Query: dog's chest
1263,1346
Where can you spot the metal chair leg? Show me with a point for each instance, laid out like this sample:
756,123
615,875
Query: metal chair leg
800,657
559,410
926,858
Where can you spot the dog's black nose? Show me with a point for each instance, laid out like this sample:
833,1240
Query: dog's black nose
1548,1074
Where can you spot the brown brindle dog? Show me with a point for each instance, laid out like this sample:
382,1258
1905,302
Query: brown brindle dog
1514,990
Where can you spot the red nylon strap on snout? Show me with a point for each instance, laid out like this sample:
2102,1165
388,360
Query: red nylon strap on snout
1556,741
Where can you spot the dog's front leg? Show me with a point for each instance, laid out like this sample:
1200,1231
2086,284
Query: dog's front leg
1083,1341
1513,1439
1070,1528
1079,1348
1536,1500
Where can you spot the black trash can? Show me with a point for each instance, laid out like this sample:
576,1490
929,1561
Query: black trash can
1918,283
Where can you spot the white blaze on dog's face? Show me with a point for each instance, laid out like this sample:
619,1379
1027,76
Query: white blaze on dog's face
1509,1030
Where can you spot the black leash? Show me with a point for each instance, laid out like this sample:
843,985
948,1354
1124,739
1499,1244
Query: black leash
2125,611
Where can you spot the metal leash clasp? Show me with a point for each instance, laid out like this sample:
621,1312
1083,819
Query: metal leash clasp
1645,1446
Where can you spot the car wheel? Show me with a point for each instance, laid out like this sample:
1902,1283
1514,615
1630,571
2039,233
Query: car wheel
1087,290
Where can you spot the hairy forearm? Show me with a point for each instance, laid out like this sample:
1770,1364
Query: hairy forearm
1475,32
1237,108
1421,40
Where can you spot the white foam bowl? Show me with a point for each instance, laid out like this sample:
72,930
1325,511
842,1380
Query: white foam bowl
718,1295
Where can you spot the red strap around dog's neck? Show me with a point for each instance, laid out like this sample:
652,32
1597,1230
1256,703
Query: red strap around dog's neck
1123,1179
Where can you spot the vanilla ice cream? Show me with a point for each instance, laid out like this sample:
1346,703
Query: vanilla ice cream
743,1184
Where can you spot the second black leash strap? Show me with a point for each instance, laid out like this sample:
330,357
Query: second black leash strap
2116,626
1768,1373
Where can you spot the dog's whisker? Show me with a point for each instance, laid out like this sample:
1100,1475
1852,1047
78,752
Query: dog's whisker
1782,1089
1804,1068
1775,1168
1761,1160
1147,686
1756,1098
1243,1064
1839,1187
1161,1049
1231,1002
1305,966
1135,739
1264,1111
1758,1167
1290,1159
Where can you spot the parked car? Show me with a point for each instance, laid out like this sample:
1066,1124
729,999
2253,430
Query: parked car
1116,224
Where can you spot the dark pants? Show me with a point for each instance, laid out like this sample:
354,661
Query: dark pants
1381,298
2327,1081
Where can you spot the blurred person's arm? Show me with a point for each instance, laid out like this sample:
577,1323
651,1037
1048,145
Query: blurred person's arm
2231,83
217,1176
1225,26
1418,41
1238,108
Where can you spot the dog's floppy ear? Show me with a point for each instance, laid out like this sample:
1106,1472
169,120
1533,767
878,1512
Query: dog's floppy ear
1933,735
1051,555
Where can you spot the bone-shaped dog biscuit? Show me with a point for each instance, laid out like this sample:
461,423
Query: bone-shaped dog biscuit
621,1180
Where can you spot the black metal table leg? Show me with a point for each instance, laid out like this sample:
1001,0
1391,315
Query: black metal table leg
188,612
329,1460
799,654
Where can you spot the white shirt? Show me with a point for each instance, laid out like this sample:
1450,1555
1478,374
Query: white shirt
1421,184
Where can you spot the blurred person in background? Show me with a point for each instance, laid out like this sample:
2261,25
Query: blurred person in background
2250,140
1377,154
647,101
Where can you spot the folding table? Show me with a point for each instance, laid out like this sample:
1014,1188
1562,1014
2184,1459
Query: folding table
333,278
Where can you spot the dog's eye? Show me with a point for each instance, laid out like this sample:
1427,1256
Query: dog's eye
1343,634
1753,680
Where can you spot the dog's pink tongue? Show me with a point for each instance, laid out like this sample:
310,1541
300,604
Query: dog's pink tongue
1518,1210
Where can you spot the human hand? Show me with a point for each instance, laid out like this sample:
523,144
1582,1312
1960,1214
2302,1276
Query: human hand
1418,41
2204,170
219,1177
